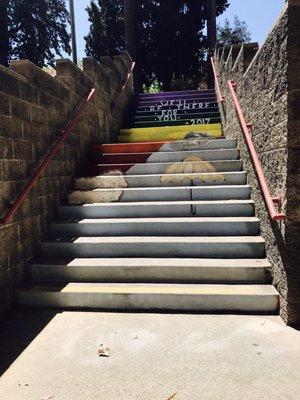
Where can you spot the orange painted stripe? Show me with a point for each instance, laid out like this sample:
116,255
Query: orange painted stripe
146,147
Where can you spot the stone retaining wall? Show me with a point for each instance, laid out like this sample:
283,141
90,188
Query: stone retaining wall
34,108
268,89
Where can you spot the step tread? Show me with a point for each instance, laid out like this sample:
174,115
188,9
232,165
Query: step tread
175,188
160,203
157,239
234,161
165,220
166,153
159,175
190,141
150,262
152,288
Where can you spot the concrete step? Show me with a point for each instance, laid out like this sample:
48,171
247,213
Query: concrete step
176,121
140,246
182,105
200,112
164,156
227,208
207,128
180,145
151,168
237,192
152,270
134,296
161,180
171,226
186,99
179,132
175,93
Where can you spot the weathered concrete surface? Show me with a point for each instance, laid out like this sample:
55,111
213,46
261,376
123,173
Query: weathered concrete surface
207,357
268,88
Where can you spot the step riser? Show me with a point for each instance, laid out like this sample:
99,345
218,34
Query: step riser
190,145
157,274
161,157
192,249
157,168
175,136
205,106
135,181
180,302
164,194
175,132
176,93
181,101
178,122
190,113
161,210
151,228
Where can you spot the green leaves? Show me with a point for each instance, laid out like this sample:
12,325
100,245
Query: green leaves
38,30
107,31
233,34
171,39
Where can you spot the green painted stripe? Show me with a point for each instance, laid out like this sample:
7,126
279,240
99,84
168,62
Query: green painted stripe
177,117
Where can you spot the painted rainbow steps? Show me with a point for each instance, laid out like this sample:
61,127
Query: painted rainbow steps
182,239
172,115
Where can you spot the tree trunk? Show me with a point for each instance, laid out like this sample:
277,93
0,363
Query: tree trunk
163,46
4,39
211,36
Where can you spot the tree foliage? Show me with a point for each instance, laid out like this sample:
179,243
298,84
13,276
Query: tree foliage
171,41
38,30
233,34
106,36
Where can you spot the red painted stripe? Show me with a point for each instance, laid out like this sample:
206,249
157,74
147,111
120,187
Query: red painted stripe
146,147
120,158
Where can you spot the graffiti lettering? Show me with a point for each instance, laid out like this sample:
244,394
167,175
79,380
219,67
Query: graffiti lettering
167,115
180,105
200,121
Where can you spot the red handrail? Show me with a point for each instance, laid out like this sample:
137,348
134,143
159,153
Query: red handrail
275,216
220,97
65,133
116,103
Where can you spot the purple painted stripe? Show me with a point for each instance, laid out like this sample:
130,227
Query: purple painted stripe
176,93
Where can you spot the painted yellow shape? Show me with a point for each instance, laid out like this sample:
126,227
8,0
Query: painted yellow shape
166,133
191,169
190,165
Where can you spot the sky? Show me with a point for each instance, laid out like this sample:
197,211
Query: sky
260,16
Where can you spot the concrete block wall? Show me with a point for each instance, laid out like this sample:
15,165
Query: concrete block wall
34,108
269,92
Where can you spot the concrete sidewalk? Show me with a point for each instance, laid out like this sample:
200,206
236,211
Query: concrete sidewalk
201,357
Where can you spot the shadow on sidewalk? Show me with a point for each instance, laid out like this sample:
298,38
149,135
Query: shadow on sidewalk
18,330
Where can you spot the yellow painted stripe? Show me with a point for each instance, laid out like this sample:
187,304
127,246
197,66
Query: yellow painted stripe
166,133
159,137
173,129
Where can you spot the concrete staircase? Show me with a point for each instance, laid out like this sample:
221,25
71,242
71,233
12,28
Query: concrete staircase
157,225
170,115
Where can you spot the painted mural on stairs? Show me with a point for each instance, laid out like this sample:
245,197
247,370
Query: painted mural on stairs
169,116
